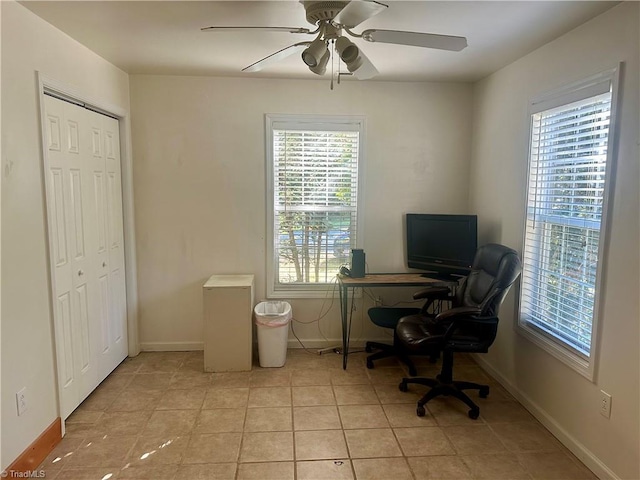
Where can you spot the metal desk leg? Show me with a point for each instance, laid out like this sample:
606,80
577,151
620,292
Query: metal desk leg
344,303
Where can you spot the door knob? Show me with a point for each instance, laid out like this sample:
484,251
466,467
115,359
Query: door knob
80,273
104,264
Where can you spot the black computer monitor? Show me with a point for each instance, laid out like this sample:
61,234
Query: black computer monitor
442,245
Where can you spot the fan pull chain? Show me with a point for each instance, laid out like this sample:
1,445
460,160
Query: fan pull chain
332,52
339,73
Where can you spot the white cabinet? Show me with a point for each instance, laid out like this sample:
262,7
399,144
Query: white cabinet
228,308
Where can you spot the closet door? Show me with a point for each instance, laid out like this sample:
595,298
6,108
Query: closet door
115,262
89,305
108,250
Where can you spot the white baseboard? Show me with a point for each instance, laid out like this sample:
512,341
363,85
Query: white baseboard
171,346
585,455
312,343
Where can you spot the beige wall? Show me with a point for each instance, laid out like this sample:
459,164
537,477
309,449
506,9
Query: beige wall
564,400
29,45
199,175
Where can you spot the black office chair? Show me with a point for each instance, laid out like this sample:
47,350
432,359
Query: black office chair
470,326
388,317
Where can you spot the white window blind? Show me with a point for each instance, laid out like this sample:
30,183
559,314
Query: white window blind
315,201
565,207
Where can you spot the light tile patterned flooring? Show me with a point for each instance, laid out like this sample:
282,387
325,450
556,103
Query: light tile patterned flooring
159,416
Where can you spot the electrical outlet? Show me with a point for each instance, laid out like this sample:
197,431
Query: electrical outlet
21,400
605,404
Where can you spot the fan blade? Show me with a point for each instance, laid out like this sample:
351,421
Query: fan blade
357,12
366,69
263,29
276,57
427,40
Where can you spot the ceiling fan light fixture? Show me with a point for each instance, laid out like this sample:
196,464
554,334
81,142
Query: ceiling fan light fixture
313,55
348,51
321,67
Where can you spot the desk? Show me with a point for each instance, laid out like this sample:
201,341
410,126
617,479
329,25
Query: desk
376,280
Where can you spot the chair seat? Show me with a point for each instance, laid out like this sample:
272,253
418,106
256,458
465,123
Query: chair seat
417,334
388,317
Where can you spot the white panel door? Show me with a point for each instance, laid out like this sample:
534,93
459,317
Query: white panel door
108,252
90,336
67,195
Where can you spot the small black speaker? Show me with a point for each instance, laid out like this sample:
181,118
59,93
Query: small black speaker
357,263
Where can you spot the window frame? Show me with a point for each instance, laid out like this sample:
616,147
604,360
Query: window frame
562,96
273,122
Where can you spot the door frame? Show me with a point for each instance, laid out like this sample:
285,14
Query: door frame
65,92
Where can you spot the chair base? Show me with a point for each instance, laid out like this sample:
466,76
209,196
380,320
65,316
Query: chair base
386,351
446,388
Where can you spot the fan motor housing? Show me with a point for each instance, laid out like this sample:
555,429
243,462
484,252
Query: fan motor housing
322,11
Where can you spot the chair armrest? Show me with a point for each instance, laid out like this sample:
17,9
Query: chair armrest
435,293
456,313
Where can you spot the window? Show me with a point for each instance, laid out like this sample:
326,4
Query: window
313,209
568,180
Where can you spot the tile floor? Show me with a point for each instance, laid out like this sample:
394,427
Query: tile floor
159,416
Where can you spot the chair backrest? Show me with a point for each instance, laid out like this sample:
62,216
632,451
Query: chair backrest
495,268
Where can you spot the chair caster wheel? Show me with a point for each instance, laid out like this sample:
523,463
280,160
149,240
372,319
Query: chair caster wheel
369,364
403,387
420,411
474,413
368,348
484,391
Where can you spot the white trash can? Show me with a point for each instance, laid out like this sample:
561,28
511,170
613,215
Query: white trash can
272,322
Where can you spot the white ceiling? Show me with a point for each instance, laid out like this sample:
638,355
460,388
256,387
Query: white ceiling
164,37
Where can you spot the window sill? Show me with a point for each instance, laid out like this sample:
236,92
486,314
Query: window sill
581,365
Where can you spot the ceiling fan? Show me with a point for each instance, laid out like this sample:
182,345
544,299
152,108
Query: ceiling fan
332,19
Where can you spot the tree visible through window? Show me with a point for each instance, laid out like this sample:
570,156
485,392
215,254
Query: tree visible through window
314,210
566,202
